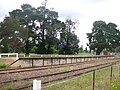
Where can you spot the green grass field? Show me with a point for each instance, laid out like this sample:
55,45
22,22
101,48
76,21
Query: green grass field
84,81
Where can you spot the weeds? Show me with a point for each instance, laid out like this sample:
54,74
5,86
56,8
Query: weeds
9,87
115,85
4,66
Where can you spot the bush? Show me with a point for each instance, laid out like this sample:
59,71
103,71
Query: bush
4,66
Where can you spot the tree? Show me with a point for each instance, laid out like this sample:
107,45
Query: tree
103,36
81,49
47,30
26,20
113,36
52,40
68,39
42,27
10,38
38,30
86,50
117,49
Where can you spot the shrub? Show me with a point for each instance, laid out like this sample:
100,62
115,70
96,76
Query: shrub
4,66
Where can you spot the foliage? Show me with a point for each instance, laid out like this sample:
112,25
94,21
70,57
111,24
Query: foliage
37,30
86,50
4,66
103,36
68,39
10,38
117,49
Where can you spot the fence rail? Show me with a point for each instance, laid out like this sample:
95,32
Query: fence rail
9,54
45,61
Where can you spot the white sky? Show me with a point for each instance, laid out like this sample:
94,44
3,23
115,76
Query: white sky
86,11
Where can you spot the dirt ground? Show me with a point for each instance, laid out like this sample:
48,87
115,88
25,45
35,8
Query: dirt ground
7,60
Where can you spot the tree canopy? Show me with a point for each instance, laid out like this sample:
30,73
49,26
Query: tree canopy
103,36
37,30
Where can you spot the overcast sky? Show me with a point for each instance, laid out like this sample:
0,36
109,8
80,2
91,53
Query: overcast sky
86,11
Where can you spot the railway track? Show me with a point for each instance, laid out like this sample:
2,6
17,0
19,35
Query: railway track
27,69
63,75
50,77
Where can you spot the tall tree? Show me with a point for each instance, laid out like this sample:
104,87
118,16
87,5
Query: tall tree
68,39
47,29
39,30
41,14
43,27
10,38
26,21
113,36
52,34
103,36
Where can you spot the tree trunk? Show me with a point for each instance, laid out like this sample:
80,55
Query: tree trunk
98,51
27,48
48,49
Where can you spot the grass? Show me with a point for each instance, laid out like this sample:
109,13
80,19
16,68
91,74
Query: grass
9,87
115,85
3,66
86,54
84,81
74,84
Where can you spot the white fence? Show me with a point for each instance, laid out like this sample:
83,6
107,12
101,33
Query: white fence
9,54
115,53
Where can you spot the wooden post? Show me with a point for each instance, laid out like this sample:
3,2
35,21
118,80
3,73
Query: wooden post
65,60
51,61
76,60
80,60
119,70
32,63
84,59
111,73
94,80
43,62
71,60
59,61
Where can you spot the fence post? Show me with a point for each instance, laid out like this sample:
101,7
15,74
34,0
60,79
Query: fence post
59,61
51,61
65,60
32,63
119,70
43,62
17,56
94,80
111,71
71,60
76,59
84,59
